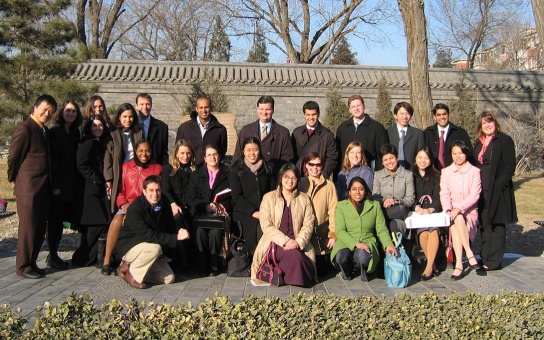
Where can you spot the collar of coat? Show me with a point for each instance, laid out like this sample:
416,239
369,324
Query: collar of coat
296,192
463,170
307,185
211,122
401,172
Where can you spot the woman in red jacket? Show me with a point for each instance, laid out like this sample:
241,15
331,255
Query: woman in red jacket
133,174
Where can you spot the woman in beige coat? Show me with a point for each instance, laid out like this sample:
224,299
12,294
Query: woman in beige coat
287,221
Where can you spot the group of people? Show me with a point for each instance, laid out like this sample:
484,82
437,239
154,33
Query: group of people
315,198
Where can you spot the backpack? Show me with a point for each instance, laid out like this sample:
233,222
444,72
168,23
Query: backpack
239,264
398,270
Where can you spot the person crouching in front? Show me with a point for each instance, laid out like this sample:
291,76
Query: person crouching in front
149,228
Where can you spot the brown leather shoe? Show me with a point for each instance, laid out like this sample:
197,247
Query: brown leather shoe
132,282
123,269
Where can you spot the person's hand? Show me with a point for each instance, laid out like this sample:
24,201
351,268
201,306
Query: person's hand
176,209
183,234
56,192
291,244
331,243
163,259
256,214
108,188
221,210
453,214
388,202
392,250
125,207
363,246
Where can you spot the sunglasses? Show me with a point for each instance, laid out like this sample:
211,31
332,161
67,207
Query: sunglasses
314,164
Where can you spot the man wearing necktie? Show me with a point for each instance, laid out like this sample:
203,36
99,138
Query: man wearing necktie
405,137
153,129
28,167
440,136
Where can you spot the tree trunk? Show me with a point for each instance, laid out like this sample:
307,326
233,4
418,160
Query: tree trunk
413,15
538,12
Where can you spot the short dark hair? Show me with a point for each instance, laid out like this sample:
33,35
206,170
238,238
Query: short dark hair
368,192
286,167
310,105
388,149
440,106
404,105
464,148
152,179
145,96
46,98
266,100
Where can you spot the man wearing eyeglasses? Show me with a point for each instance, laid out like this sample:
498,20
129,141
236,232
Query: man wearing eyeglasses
314,137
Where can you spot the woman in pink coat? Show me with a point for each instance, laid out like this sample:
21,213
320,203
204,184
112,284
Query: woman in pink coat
460,188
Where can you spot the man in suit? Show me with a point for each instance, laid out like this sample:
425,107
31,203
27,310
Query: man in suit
360,127
439,136
314,137
154,130
28,167
203,129
276,145
412,138
149,230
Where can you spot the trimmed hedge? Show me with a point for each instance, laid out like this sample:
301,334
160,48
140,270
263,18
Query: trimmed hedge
454,316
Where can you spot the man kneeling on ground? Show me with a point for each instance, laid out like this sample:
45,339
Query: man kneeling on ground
149,228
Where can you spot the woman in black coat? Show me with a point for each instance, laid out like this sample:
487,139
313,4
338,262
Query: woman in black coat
200,195
250,178
95,214
64,139
496,157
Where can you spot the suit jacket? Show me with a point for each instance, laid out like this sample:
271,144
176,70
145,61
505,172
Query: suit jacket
216,135
28,160
370,133
324,144
157,135
276,148
455,133
199,193
413,141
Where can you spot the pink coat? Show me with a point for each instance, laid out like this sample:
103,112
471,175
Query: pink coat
460,188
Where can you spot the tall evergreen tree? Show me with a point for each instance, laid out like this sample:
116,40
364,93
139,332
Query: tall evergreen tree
337,110
258,52
35,57
443,58
463,109
208,88
383,102
219,49
343,55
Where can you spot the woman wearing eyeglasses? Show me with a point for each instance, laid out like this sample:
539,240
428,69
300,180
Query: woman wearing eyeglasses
287,221
322,192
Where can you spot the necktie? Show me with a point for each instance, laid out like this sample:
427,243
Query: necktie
310,132
44,133
263,132
356,126
143,131
401,147
441,147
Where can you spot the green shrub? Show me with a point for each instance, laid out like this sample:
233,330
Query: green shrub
430,316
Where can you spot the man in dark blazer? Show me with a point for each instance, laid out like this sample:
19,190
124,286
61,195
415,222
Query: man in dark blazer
28,167
314,137
360,127
413,138
203,129
450,132
276,145
153,129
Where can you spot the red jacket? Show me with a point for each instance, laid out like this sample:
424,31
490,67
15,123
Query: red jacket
132,181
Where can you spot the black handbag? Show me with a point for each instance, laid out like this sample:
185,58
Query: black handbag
209,221
238,265
269,271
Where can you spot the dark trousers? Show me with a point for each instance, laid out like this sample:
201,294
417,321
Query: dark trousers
209,243
346,257
32,211
59,212
493,245
86,254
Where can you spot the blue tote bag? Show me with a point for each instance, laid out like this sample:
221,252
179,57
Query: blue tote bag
398,270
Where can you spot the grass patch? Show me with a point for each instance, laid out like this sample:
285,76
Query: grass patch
6,188
528,189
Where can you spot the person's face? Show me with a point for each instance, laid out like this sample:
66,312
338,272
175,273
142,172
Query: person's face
357,109
311,117
97,128
143,152
70,113
403,117
43,112
459,158
211,157
289,180
144,106
98,107
442,117
126,119
251,153
489,128
203,109
422,160
357,192
184,155
314,168
265,112
390,162
355,156
153,193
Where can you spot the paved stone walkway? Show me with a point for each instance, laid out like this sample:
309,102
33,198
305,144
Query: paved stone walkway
519,274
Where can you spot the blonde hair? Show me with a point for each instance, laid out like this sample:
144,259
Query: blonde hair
174,161
346,165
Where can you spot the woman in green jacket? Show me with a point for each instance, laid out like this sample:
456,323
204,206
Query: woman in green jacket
359,220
